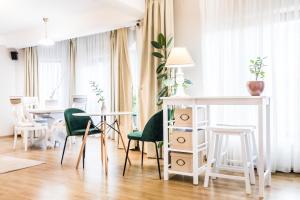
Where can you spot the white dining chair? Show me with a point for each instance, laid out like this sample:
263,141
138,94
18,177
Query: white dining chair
24,126
79,101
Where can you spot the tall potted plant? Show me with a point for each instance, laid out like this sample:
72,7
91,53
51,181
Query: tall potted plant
165,76
256,66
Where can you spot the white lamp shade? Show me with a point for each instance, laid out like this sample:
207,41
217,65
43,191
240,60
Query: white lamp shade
179,57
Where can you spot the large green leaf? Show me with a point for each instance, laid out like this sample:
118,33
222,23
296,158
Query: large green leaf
160,68
169,42
157,54
159,102
163,92
162,76
156,45
161,39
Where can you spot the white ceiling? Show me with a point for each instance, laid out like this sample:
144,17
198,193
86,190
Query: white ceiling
21,22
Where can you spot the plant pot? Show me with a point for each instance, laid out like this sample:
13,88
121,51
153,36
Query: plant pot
255,88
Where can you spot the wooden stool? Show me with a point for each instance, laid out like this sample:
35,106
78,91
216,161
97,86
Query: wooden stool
214,163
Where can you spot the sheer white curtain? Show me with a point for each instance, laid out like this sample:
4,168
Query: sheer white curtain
54,72
234,31
93,64
133,48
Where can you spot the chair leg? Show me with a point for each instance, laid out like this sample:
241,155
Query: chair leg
83,156
142,153
157,158
63,153
126,157
15,138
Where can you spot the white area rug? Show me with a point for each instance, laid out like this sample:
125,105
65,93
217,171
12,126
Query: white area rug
9,164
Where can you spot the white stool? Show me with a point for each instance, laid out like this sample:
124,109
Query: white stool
215,155
251,138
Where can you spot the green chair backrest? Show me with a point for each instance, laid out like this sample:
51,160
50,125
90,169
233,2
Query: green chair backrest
153,130
74,123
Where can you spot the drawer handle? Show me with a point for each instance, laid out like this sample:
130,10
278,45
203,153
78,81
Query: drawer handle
184,117
180,162
181,140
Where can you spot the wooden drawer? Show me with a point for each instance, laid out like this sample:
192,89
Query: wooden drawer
183,117
183,140
183,162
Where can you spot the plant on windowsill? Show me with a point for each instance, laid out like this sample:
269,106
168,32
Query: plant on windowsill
256,66
99,93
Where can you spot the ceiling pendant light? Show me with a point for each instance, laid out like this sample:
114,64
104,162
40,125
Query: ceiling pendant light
46,41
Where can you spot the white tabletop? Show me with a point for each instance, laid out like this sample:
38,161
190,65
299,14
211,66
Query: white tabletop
217,100
46,110
101,114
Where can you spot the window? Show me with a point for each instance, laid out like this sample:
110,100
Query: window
53,69
93,64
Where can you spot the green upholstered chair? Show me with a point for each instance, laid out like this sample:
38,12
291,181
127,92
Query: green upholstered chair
153,132
76,126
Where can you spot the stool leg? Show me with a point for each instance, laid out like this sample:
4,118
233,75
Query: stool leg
226,149
209,160
217,150
249,155
254,147
245,164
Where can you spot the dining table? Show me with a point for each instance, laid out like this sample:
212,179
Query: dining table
103,125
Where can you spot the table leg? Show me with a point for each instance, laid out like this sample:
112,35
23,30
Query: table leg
101,142
268,145
83,143
261,160
105,147
195,149
166,142
120,136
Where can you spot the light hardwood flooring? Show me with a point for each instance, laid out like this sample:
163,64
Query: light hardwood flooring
55,182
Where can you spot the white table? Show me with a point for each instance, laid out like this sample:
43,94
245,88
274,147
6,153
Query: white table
44,111
263,128
103,125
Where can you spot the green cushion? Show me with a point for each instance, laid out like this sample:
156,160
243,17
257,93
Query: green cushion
135,135
82,131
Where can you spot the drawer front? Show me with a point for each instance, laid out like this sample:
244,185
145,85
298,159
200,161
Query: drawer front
181,140
183,117
181,163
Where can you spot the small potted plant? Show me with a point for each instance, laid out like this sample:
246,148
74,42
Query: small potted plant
99,93
256,87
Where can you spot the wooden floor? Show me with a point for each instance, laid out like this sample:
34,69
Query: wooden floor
55,182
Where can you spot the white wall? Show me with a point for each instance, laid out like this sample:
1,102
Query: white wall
187,33
11,77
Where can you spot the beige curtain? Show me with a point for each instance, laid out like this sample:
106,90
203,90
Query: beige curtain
72,84
158,19
122,79
31,72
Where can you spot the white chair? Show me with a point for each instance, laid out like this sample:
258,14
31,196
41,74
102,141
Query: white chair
215,155
79,101
23,125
